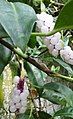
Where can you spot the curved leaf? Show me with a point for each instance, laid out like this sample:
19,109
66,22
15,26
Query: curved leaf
17,19
5,57
65,65
65,19
54,97
24,116
64,1
3,33
43,115
34,74
32,42
16,0
62,90
65,112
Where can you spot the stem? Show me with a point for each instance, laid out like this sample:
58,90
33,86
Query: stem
32,99
31,111
64,77
44,34
31,60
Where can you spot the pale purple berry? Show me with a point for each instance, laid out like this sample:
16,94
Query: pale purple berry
55,53
59,45
18,105
71,61
22,109
16,99
44,29
50,47
12,108
54,41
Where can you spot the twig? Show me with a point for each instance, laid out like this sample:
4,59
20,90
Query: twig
40,66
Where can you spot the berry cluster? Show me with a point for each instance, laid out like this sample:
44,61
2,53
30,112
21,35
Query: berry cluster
18,101
67,55
45,23
54,44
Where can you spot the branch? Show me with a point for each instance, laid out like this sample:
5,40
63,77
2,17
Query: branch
31,60
44,34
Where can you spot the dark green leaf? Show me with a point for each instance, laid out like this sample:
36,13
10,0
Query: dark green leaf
32,42
62,90
24,116
64,65
64,1
17,19
54,97
3,33
23,1
65,112
5,57
42,115
16,0
35,75
65,19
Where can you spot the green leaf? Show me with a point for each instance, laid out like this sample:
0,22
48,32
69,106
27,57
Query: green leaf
16,0
24,116
62,90
5,57
43,115
34,74
3,33
55,69
64,65
65,19
17,19
54,97
32,42
64,1
65,112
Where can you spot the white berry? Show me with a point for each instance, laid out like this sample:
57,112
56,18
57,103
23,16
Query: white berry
18,105
44,29
22,109
16,79
59,45
12,108
55,53
54,40
16,99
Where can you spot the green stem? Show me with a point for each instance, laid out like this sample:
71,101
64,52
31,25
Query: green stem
63,77
31,111
44,34
51,32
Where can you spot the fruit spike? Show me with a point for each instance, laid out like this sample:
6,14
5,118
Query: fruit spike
54,43
18,102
